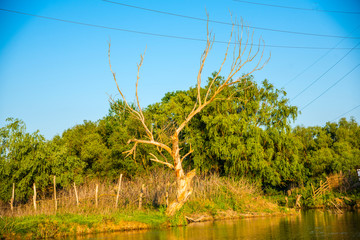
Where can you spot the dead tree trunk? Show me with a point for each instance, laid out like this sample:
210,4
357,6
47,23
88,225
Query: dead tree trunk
243,54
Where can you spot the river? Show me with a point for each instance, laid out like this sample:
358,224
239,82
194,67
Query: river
307,225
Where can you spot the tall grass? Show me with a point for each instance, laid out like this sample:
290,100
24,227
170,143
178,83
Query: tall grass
209,192
215,195
157,183
212,196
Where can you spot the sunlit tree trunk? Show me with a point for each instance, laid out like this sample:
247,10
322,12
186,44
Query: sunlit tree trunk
183,181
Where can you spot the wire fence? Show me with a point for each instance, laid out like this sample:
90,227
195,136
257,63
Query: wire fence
104,196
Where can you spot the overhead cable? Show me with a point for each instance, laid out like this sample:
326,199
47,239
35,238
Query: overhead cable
316,61
330,87
160,35
228,23
296,8
345,113
313,82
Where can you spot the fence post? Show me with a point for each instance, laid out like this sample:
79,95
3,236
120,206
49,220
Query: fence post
12,198
297,203
96,195
141,195
118,192
55,201
76,195
167,198
34,197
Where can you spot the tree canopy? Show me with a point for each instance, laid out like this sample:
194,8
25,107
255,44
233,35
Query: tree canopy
247,134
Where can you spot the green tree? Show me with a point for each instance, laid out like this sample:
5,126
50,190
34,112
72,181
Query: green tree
246,134
23,161
85,143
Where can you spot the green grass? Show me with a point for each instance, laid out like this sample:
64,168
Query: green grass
151,217
45,226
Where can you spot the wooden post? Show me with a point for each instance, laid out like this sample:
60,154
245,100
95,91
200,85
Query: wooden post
12,198
96,195
312,187
167,198
297,203
118,192
141,195
34,198
76,195
55,201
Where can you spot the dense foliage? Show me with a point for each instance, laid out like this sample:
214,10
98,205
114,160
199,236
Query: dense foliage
247,134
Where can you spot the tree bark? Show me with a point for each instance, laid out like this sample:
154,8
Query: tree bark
183,181
184,190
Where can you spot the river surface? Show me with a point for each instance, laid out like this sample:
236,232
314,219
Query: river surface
307,225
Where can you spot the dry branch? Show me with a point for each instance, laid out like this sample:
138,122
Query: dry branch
155,159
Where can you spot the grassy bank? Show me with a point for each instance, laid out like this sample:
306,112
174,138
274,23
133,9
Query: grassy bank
60,225
213,198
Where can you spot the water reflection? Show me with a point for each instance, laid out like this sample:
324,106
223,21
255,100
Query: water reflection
307,225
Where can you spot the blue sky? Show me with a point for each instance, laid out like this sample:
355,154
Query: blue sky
54,74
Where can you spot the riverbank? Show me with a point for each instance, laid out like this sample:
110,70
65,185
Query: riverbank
230,201
214,198
61,225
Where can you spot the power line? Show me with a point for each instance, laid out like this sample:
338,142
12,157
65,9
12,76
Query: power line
345,113
329,87
227,23
102,26
157,34
313,82
316,61
296,8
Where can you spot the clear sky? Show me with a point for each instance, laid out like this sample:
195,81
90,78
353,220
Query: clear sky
55,74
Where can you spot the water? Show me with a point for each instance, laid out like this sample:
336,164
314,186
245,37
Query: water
307,225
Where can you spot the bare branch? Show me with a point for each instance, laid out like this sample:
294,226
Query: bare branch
203,58
152,142
237,65
141,115
191,150
163,156
118,88
131,151
222,64
155,159
138,114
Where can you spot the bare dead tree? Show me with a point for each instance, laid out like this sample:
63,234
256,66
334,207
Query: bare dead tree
243,54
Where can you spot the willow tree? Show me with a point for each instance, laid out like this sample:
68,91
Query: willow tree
244,54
